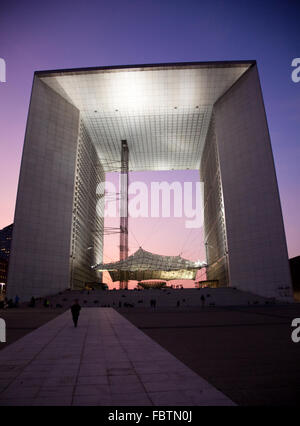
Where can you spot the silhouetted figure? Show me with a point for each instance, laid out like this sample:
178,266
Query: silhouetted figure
178,303
75,309
17,299
32,302
46,303
202,300
153,303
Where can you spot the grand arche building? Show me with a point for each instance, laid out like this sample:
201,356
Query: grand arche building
207,116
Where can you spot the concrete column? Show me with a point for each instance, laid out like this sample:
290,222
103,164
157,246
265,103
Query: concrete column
258,260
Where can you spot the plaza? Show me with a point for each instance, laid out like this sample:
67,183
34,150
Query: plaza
187,356
228,345
106,361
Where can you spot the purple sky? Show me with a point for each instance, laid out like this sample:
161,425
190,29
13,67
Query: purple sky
39,35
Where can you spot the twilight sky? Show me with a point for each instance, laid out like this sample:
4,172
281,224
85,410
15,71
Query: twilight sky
37,35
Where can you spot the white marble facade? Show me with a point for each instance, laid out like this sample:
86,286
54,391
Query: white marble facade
160,99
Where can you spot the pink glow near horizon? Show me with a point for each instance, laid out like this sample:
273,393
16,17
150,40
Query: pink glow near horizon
166,236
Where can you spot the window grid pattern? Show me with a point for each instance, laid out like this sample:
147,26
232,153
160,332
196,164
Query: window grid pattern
164,113
87,226
214,216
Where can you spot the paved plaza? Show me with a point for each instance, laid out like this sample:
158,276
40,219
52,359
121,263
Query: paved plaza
105,361
245,351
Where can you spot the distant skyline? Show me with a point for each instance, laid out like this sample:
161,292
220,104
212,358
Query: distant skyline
40,36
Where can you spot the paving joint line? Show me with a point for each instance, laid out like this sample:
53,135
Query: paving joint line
80,361
35,356
123,347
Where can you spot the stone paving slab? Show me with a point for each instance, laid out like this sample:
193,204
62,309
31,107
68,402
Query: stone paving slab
106,361
247,353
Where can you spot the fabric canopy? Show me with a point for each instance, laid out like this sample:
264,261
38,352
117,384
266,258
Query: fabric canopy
144,265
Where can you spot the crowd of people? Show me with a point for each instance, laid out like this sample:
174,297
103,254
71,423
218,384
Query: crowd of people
6,303
9,303
45,302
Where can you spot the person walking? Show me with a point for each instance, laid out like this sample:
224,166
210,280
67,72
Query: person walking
202,300
17,299
75,309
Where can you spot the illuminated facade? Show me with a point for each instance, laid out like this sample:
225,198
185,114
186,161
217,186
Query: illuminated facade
205,116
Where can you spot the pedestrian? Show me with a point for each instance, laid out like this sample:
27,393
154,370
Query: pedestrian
5,306
202,300
17,299
75,309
